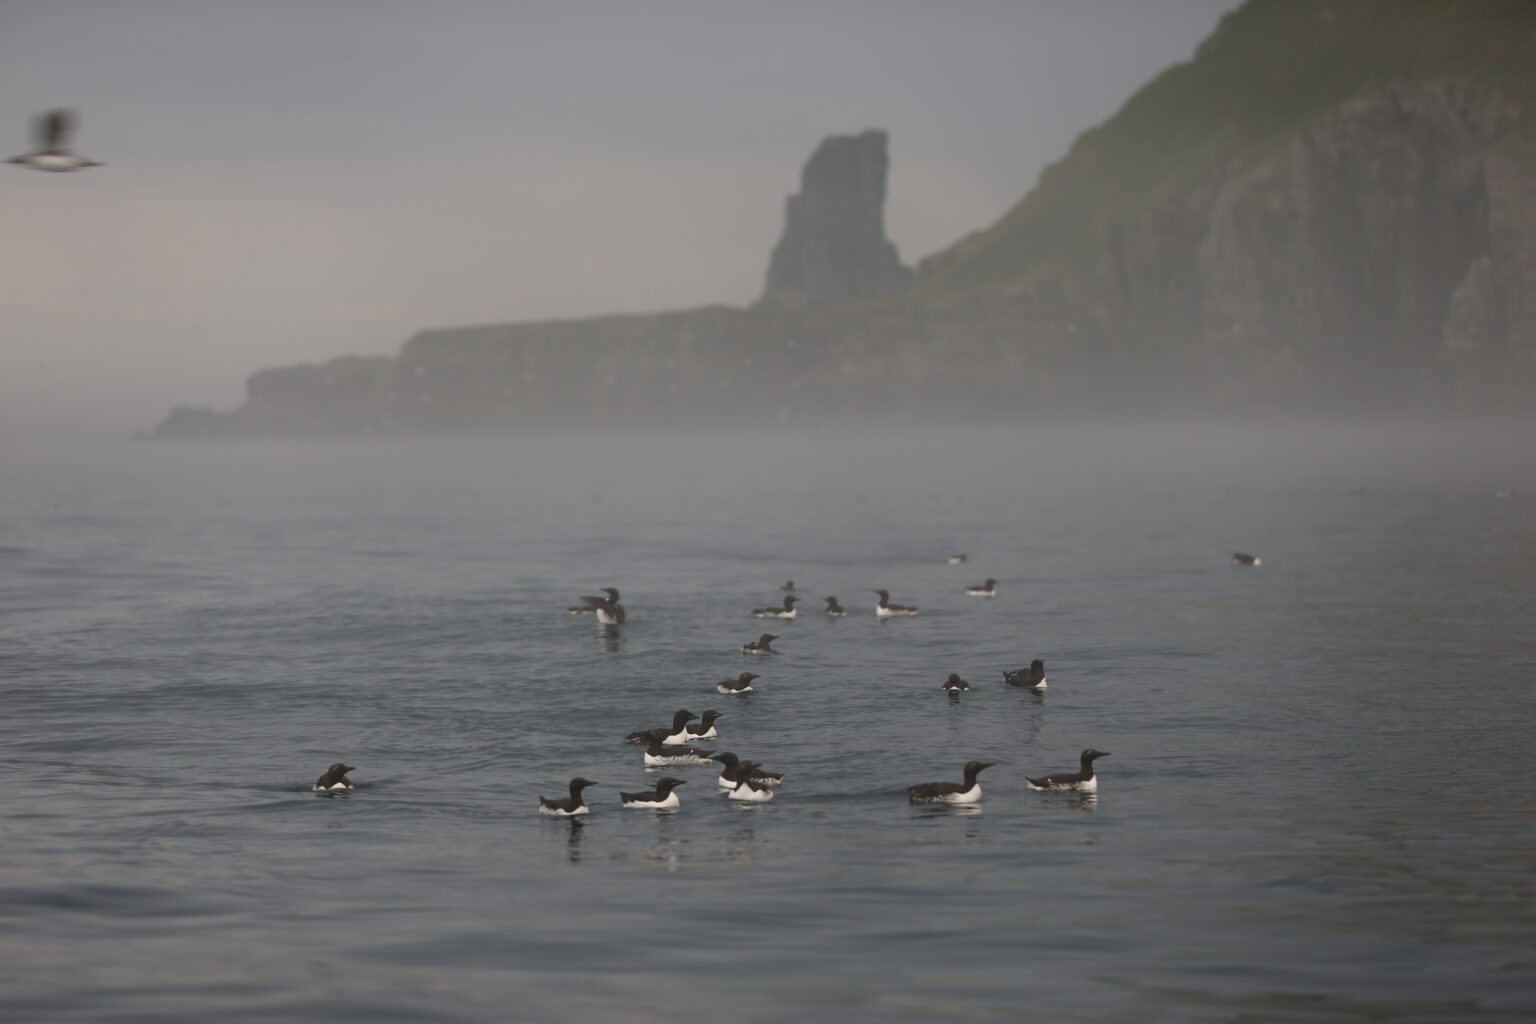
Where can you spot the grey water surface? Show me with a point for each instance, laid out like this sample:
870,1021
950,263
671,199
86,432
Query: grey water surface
1318,804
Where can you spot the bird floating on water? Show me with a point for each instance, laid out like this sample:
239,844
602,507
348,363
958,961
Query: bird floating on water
734,766
748,788
1244,558
1032,678
967,792
676,734
609,611
659,799
957,559
51,132
569,807
785,612
762,645
886,610
987,589
335,778
703,729
658,754
1081,781
833,608
787,585
954,684
738,686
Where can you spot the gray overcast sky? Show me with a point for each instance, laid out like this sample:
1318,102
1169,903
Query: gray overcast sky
291,181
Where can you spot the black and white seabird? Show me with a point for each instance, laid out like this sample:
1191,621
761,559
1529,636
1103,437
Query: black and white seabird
786,612
833,608
788,585
954,684
676,734
733,768
762,645
735,687
51,132
958,558
1244,558
658,754
747,788
609,611
967,792
1032,678
569,807
703,729
1083,781
335,777
987,589
659,799
886,610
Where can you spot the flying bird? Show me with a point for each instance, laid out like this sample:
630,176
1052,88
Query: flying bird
50,132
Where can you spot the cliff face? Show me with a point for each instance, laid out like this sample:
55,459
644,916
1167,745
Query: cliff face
1333,204
1385,244
834,248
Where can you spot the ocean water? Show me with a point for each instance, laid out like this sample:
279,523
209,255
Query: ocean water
1318,805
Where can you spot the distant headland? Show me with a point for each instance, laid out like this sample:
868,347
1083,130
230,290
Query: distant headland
1278,222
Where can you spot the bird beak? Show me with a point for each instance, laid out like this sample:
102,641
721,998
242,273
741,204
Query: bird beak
680,782
1102,753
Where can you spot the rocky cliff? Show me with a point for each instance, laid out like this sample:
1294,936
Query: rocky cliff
834,248
1332,205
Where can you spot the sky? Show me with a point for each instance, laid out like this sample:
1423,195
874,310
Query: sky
292,181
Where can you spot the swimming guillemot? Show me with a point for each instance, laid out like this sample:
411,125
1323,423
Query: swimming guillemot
788,585
659,754
659,799
762,645
609,611
1243,558
749,789
734,766
1032,678
954,684
786,612
987,589
967,792
956,559
833,608
676,734
51,132
731,774
1083,781
740,685
704,729
569,807
335,777
886,610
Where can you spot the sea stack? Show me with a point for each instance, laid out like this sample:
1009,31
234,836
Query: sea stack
834,248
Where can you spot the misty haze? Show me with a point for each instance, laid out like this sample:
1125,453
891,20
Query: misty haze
856,512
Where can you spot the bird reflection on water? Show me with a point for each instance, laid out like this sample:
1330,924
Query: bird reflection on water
610,639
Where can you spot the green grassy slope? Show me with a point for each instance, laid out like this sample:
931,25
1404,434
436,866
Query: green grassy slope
1270,67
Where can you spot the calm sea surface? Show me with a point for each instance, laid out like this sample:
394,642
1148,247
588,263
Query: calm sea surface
1319,806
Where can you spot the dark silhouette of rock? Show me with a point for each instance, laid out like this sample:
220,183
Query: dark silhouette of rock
834,248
